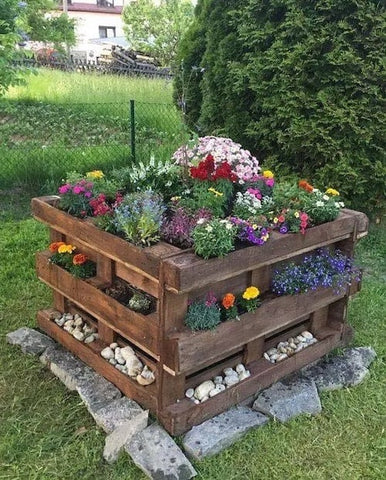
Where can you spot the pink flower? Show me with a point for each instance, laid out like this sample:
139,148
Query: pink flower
88,194
303,217
255,192
270,182
64,188
77,190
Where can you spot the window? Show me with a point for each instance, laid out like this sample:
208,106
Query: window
105,3
107,32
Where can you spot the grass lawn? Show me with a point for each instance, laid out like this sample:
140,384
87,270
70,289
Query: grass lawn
60,121
46,433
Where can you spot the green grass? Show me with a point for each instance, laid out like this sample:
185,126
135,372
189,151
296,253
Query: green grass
59,122
46,433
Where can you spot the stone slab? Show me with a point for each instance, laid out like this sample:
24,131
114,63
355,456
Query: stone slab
116,413
97,392
120,436
30,340
341,371
71,371
288,398
155,453
220,432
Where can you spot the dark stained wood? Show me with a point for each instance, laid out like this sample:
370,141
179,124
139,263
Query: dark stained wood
181,416
254,350
319,319
149,285
142,330
106,334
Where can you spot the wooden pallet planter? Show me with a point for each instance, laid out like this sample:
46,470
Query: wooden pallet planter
181,358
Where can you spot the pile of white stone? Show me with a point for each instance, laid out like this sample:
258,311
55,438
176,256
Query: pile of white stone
218,384
126,361
293,345
76,326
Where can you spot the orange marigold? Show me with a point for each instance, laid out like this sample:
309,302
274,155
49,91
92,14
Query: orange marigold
53,247
306,186
79,259
228,301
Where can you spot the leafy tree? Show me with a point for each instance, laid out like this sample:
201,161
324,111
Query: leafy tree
301,84
156,28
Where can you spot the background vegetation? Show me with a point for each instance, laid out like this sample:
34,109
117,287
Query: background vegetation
299,82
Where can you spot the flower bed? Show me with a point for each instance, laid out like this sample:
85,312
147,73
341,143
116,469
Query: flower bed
207,313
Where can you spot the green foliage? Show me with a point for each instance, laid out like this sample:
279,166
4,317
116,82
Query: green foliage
214,238
157,27
139,302
300,83
202,317
214,196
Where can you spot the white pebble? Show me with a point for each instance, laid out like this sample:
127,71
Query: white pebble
204,399
218,380
89,339
119,367
107,353
113,361
240,368
60,321
301,338
78,322
214,392
266,356
189,393
229,371
203,389
196,401
113,346
78,335
281,357
272,351
69,323
244,375
307,335
69,316
230,380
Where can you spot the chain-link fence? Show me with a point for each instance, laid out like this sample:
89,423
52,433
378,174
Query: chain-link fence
41,142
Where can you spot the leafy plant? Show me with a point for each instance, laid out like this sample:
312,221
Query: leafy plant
214,238
215,196
139,217
77,264
139,302
203,315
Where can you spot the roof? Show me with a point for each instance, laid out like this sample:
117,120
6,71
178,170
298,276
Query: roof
88,7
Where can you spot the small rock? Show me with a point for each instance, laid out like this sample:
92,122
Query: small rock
301,346
281,357
218,380
77,316
89,339
291,340
266,356
312,341
229,371
107,353
78,322
307,335
292,345
55,314
69,323
282,344
230,380
87,329
282,349
274,357
204,399
118,357
69,316
203,389
70,330
240,368
300,338
214,392
120,367
78,335
60,321
196,401
113,361
221,387
113,346
244,375
271,351
189,393
296,341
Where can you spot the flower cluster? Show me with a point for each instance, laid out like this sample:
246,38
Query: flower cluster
103,210
244,165
321,268
214,238
207,170
247,204
75,197
178,227
207,314
290,220
77,264
253,233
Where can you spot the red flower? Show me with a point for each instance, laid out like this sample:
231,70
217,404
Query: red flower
79,259
228,301
54,246
306,186
224,170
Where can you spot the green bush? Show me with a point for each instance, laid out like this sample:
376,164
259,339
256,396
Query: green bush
300,83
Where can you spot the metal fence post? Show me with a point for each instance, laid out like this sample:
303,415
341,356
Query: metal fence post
132,130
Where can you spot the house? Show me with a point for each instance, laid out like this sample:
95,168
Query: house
95,19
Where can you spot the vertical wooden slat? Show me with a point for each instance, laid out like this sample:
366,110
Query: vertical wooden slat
261,278
105,269
254,350
106,334
319,319
60,301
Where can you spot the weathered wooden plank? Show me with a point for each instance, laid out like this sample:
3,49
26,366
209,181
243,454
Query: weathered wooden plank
141,330
90,354
187,272
194,349
181,416
148,285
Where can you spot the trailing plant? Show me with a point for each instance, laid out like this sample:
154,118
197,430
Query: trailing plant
139,217
214,238
318,269
255,232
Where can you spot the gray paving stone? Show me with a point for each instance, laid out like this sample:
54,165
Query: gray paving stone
30,340
156,453
341,371
288,398
97,393
71,371
220,432
120,436
116,413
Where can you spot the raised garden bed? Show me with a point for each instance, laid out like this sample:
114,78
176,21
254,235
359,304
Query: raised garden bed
179,357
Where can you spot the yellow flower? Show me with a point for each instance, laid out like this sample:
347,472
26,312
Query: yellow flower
267,174
251,293
332,191
175,199
254,226
296,214
275,220
95,174
66,249
218,194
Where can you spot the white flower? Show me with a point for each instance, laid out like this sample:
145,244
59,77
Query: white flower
316,190
200,221
209,228
326,197
228,226
341,204
320,204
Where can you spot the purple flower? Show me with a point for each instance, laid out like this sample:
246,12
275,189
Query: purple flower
64,188
270,182
283,228
88,194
